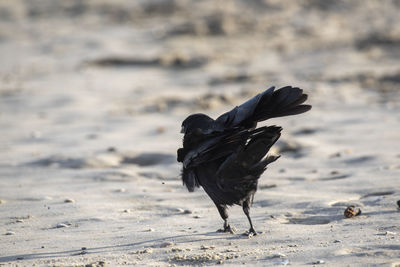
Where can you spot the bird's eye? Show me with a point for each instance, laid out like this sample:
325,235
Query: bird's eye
183,129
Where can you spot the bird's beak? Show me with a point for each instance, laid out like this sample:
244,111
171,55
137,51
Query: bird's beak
183,129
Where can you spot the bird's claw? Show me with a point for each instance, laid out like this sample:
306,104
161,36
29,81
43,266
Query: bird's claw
227,229
250,233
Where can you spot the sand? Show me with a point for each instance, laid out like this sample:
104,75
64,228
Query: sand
92,95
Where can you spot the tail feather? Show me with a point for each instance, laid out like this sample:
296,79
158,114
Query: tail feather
285,96
259,168
300,100
282,102
189,179
294,111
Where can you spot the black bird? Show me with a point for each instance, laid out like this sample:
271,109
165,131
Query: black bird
226,156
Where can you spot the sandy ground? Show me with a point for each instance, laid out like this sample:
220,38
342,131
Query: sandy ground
92,95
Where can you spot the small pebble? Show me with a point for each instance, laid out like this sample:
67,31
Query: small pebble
61,225
352,211
120,190
148,250
197,216
69,200
91,136
111,149
188,212
10,233
337,241
392,167
278,255
166,244
319,262
389,233
36,134
19,221
348,151
398,203
160,129
151,230
180,210
127,211
206,247
335,155
83,248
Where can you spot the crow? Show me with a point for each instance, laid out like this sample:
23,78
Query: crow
227,156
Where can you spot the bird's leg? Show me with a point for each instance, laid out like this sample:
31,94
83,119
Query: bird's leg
224,215
246,210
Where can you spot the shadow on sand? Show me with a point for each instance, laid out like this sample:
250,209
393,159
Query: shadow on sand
180,239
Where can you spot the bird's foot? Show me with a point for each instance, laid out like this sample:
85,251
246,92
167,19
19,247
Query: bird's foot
227,229
250,233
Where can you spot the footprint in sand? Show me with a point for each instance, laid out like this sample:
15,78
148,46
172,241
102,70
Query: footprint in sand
378,194
306,131
375,198
148,159
104,160
311,220
173,60
205,101
266,203
334,177
359,160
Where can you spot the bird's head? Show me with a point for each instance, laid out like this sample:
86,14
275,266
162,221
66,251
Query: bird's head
197,123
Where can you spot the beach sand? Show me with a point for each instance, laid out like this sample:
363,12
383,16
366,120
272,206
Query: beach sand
92,96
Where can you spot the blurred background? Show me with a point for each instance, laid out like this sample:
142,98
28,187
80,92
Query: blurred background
77,63
93,93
